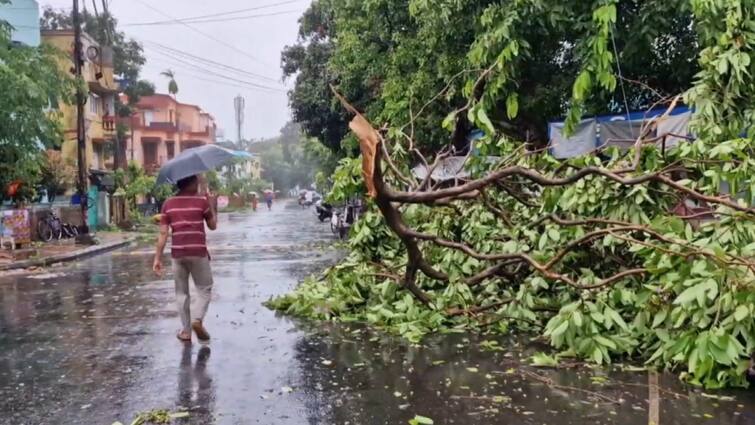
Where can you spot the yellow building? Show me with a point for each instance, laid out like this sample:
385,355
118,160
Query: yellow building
100,105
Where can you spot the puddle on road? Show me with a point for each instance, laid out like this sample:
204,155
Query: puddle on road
364,377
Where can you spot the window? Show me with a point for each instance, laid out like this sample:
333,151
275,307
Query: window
108,104
171,149
99,156
94,104
149,116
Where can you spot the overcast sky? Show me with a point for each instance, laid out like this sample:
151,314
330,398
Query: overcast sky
249,41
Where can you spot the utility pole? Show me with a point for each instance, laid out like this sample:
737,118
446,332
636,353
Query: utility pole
80,124
131,118
239,103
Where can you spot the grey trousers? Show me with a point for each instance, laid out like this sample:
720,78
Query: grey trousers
200,271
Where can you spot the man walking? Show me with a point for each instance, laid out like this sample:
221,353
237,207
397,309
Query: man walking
269,199
185,216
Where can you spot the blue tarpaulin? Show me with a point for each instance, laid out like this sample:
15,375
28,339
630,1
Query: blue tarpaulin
617,130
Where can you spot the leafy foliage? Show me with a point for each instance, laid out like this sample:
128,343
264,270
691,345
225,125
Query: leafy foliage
134,183
128,54
57,173
172,84
586,253
311,101
410,64
31,82
292,159
691,310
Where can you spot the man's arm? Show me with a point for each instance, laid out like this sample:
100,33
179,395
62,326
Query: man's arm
157,264
211,218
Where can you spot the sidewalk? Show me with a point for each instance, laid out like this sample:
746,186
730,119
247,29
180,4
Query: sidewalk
62,251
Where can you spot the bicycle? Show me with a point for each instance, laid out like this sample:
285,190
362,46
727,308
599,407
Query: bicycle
50,227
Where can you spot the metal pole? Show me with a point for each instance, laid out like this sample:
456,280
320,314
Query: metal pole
80,124
119,155
132,136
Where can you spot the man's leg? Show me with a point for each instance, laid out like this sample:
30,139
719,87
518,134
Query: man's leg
201,272
183,300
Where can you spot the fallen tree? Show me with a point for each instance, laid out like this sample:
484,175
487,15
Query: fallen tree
593,254
585,252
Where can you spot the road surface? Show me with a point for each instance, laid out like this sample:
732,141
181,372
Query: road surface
94,343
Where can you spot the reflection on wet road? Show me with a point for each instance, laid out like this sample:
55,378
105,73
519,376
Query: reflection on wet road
94,343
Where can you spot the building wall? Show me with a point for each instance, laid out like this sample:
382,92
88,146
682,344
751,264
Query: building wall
100,99
23,15
160,120
250,168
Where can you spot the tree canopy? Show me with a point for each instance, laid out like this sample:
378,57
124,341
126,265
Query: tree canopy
31,82
291,159
128,54
172,84
544,59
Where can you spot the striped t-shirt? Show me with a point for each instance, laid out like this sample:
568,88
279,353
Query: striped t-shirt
186,217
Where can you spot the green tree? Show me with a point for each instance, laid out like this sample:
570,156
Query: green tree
172,84
31,82
292,159
308,60
128,54
392,58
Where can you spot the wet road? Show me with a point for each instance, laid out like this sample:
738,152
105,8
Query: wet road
94,342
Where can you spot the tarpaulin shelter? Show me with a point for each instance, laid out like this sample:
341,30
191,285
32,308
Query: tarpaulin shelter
620,130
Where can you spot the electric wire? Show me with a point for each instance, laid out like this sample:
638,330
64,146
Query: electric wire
214,15
203,33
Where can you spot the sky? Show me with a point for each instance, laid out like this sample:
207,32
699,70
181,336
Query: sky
245,47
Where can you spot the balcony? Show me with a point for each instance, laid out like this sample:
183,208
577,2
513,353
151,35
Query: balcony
108,123
161,126
100,127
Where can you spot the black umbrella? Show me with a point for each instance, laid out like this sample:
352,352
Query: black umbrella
197,161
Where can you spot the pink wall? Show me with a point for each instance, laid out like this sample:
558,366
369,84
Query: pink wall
190,128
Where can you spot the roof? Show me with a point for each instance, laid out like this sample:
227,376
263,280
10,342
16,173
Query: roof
451,168
68,33
161,100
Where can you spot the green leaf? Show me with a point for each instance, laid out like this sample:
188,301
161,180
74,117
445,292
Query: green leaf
577,318
543,242
512,106
581,86
543,360
597,355
699,267
659,318
482,117
605,342
554,234
741,313
421,420
613,315
696,292
449,121
560,329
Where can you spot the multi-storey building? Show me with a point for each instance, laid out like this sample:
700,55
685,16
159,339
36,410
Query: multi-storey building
163,127
99,110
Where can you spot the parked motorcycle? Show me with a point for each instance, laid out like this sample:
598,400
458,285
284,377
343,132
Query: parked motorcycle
323,210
